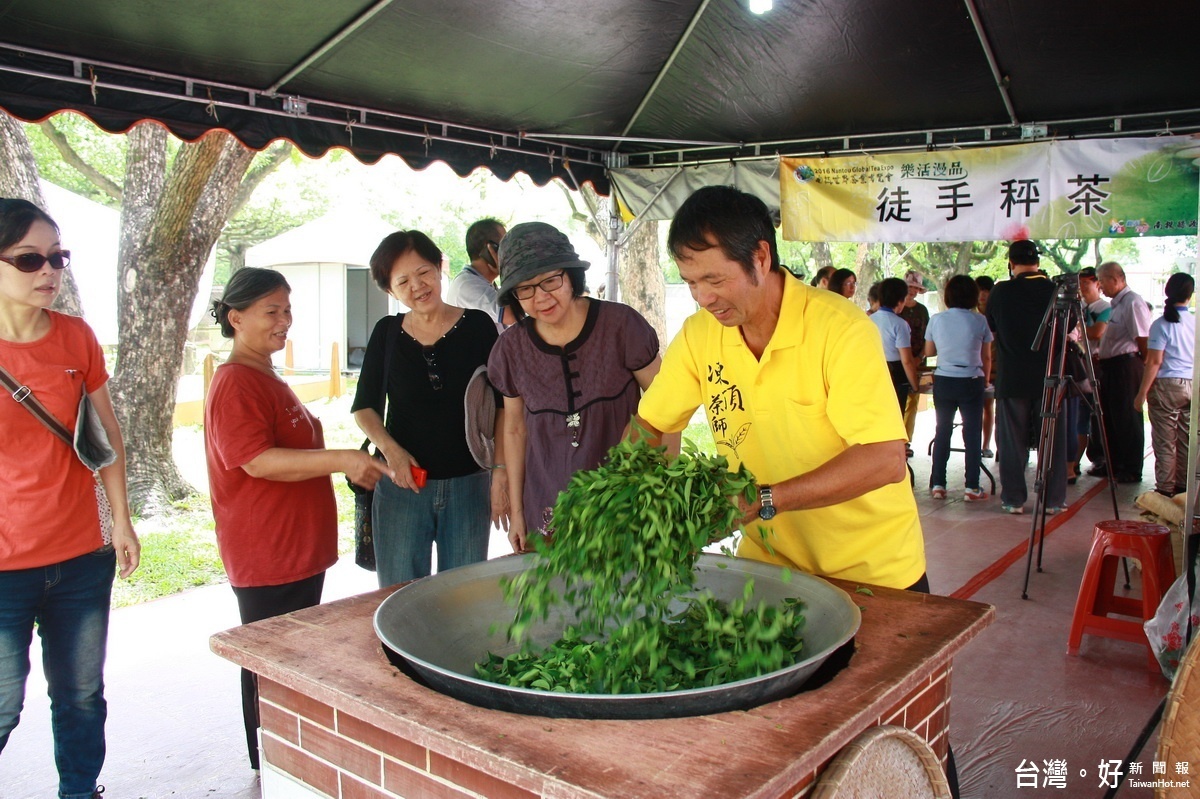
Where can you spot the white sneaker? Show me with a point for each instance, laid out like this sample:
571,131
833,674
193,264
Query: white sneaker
938,492
975,495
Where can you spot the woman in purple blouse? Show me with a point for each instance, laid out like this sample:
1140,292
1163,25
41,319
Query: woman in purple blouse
571,372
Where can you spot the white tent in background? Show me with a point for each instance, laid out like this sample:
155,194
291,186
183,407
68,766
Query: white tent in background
334,298
92,232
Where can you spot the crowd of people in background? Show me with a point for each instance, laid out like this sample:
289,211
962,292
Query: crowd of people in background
987,326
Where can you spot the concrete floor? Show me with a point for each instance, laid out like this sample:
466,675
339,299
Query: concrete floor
175,725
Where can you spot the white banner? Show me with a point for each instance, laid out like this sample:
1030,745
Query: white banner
1096,188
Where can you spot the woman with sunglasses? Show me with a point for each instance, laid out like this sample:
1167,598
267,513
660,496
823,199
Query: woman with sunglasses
571,372
55,569
440,493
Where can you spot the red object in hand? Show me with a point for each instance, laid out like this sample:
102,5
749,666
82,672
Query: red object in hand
419,476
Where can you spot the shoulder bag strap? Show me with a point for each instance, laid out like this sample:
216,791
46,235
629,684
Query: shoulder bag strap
389,348
24,396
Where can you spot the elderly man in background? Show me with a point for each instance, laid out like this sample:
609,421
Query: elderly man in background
1122,353
1096,312
474,287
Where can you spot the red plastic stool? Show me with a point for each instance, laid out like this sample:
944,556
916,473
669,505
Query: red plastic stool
1111,541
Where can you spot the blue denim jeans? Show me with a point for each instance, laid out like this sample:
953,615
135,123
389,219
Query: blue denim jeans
962,395
456,514
69,601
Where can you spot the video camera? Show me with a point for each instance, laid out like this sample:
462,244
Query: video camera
1067,286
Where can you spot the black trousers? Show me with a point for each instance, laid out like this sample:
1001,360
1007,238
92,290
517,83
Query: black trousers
1018,427
1120,378
899,382
264,602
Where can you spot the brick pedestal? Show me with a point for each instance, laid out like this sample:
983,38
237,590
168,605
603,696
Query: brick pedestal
340,719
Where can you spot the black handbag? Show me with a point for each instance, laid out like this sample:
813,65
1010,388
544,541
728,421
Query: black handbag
364,542
364,539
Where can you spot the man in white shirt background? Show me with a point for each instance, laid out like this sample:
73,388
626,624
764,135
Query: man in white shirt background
474,286
1121,354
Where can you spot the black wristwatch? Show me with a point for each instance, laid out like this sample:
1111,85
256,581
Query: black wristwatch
766,510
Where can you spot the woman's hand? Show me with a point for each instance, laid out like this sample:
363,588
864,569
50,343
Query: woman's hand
127,546
1140,401
401,464
500,515
517,536
363,470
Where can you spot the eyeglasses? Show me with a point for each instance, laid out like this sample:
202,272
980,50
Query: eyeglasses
435,379
32,261
548,285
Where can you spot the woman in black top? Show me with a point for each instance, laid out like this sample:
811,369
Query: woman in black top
435,350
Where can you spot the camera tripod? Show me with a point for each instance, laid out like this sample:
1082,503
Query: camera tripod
1062,314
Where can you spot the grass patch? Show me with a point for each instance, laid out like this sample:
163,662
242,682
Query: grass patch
179,547
179,551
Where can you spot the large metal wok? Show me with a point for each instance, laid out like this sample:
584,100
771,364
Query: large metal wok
439,627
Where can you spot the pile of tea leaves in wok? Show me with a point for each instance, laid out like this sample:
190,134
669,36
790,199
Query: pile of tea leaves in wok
625,541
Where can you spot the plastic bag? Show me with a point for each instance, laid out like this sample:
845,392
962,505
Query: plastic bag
1167,631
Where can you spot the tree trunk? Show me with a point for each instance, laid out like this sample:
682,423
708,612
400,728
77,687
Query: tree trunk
641,280
168,228
867,272
19,180
822,255
237,257
639,276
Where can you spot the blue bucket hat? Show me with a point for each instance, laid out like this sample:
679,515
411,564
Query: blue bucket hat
533,248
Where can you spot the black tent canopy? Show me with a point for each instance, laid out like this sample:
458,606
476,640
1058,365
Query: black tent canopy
569,88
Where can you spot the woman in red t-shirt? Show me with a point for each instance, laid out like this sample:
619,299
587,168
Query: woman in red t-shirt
55,568
268,469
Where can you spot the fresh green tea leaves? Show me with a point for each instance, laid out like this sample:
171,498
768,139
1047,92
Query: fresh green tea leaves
625,541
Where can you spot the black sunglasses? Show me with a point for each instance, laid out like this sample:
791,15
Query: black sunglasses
435,380
32,261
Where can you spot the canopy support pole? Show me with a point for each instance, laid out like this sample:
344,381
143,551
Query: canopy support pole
329,44
614,248
991,59
649,206
662,73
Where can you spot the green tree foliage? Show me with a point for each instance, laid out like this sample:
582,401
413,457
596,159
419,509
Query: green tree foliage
70,148
289,196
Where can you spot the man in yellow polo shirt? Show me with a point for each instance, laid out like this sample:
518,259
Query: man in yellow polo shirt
794,384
